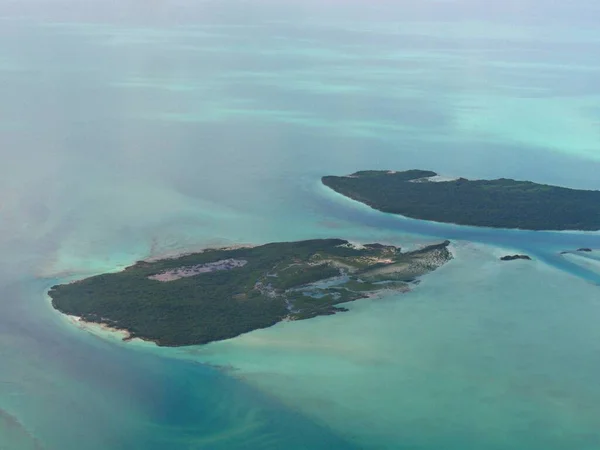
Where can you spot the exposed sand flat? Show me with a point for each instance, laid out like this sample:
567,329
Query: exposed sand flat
190,271
434,179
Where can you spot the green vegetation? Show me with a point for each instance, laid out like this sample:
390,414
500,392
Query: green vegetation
360,286
299,274
253,288
501,203
515,257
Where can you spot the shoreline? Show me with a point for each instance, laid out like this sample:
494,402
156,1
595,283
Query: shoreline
107,326
175,255
105,331
90,326
453,224
100,330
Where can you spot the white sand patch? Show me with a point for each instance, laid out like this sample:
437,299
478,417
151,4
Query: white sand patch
99,328
434,179
191,271
354,245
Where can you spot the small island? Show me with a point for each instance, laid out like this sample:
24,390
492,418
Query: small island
502,203
221,293
579,250
515,257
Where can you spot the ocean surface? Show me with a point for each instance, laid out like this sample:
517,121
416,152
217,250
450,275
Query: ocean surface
136,128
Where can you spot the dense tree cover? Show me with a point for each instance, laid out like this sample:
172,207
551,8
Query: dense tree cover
298,275
515,257
221,304
501,203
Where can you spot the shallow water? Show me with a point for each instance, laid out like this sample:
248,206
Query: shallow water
459,361
137,129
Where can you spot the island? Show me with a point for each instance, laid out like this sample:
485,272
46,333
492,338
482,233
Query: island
218,294
501,203
515,257
579,250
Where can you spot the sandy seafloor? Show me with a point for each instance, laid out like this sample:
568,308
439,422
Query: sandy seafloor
136,129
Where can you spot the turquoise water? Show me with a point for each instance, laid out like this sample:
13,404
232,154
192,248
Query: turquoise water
139,129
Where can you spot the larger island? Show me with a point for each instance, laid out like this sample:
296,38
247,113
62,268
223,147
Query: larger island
501,203
221,293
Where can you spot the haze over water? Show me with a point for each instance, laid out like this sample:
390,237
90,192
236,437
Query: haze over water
136,129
